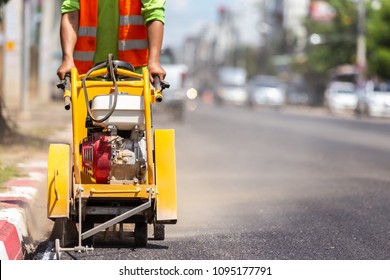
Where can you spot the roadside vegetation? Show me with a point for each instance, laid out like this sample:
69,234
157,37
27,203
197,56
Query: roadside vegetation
8,172
337,43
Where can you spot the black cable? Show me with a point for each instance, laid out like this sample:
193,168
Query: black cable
110,66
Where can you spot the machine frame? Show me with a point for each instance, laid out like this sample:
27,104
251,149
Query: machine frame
81,207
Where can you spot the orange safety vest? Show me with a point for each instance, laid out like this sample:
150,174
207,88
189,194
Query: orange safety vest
132,38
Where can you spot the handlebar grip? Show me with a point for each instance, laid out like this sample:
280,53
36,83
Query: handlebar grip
67,82
159,96
158,89
67,102
156,83
67,92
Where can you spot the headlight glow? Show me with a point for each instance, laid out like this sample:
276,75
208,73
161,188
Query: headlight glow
192,93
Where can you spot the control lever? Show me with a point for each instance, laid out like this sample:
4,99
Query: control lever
159,86
65,86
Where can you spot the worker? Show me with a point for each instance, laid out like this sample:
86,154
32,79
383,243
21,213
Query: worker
132,30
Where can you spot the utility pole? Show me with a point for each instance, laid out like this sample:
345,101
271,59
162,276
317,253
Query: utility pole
25,80
361,41
49,42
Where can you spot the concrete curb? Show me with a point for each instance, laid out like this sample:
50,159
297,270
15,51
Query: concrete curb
10,244
15,237
23,202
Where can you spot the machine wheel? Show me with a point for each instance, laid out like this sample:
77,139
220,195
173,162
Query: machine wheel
65,231
141,234
159,231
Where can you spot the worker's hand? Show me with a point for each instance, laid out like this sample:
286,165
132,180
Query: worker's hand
155,69
65,68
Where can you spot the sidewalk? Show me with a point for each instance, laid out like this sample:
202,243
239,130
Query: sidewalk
23,220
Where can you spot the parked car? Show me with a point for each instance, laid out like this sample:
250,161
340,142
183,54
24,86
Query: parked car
232,86
266,91
341,96
375,101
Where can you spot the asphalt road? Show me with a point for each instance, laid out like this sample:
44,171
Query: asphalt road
263,184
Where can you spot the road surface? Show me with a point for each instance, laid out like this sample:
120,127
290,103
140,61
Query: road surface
264,184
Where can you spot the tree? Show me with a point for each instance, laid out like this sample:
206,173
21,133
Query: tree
4,127
335,45
378,40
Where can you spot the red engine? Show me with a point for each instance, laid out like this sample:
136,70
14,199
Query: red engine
96,154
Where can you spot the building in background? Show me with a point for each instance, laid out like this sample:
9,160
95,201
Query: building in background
248,34
12,67
244,35
31,38
295,13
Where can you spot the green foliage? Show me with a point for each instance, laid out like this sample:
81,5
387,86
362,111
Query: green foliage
378,41
337,46
7,173
380,63
339,40
3,2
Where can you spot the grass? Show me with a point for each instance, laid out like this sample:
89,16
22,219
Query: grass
8,172
29,139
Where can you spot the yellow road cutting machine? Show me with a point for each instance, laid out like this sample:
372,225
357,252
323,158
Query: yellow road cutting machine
119,170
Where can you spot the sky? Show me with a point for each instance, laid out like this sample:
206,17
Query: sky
185,17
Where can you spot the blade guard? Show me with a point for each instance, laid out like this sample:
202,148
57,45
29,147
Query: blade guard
165,164
58,181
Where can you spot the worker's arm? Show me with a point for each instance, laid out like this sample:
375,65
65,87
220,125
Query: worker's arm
155,39
68,34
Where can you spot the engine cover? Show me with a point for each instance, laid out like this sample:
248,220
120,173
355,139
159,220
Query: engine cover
96,153
112,159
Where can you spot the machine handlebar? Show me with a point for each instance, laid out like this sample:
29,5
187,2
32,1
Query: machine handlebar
65,86
159,86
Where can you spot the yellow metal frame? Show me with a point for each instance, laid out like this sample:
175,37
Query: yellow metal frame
139,87
160,177
59,181
165,163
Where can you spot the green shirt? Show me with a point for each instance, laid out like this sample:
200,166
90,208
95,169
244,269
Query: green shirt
107,33
151,10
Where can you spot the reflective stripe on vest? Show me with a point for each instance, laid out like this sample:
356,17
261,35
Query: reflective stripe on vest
132,33
131,20
87,31
132,41
84,56
132,45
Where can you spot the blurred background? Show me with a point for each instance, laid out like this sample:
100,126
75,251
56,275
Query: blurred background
260,173
331,53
